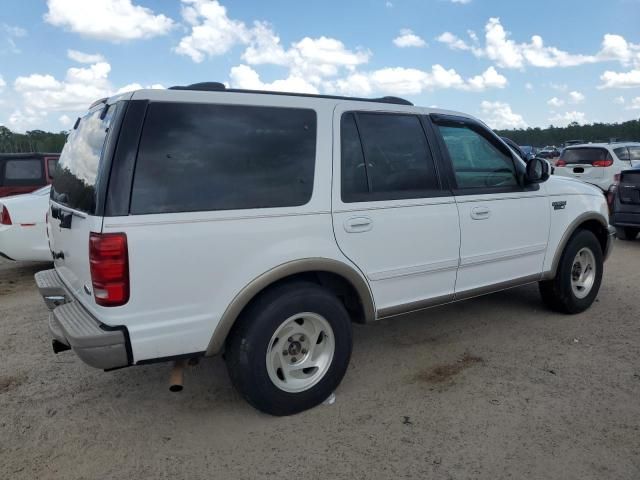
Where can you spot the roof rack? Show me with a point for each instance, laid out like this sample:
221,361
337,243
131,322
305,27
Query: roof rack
220,87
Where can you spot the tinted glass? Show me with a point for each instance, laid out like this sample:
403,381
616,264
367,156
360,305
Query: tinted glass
585,155
24,171
622,153
398,161
634,153
198,157
477,162
77,170
354,174
51,166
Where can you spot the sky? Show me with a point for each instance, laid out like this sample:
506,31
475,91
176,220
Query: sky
512,63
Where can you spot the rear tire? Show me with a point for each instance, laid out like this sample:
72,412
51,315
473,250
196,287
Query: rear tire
627,233
290,348
579,275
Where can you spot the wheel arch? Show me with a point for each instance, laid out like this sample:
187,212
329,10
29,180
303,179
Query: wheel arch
592,221
343,279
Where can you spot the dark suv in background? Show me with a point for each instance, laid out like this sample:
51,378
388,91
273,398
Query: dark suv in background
626,205
25,172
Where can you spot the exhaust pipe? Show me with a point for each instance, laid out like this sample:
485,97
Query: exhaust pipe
58,346
176,378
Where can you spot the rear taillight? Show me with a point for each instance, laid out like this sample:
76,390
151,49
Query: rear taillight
561,163
109,261
602,163
5,218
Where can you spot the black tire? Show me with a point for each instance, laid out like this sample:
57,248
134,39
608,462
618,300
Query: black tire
248,342
627,233
557,293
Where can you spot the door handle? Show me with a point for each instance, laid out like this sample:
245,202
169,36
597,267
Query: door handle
358,224
480,213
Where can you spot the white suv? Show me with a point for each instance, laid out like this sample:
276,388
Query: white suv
201,220
598,163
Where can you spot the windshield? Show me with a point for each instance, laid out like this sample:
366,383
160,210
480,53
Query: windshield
77,170
585,155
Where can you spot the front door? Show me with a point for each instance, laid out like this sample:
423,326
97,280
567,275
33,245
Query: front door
504,225
392,216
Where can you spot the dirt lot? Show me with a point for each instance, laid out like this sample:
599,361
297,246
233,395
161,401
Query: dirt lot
496,387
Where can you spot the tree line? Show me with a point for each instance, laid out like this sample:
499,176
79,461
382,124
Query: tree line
31,141
595,132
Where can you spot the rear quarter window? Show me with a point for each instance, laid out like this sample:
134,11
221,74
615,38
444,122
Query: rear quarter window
203,157
23,172
76,174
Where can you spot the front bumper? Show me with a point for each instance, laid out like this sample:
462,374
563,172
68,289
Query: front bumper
97,344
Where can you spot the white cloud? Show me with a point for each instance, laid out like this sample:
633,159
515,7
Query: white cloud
463,2
136,86
388,4
576,97
499,115
629,79
8,39
65,120
634,104
562,119
412,81
77,91
212,31
528,86
555,102
615,47
243,76
82,57
490,78
2,83
112,20
507,53
24,119
408,39
619,100
561,87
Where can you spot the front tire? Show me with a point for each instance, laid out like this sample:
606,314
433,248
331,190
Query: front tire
290,348
579,275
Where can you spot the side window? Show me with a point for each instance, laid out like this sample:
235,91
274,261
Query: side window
52,163
622,153
203,157
354,175
634,153
390,160
477,162
23,172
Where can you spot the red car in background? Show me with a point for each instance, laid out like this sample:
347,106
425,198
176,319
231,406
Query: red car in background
26,172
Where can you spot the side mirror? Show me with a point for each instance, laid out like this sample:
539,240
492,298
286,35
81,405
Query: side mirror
538,170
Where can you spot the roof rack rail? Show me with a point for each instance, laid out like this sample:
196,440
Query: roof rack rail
220,87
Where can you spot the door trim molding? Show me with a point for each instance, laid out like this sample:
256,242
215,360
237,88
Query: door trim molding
502,255
419,269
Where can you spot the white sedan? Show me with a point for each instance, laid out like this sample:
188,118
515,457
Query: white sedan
23,228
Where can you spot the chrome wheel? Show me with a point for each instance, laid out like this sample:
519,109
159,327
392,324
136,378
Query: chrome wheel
300,352
583,273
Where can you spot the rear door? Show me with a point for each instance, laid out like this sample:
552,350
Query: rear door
72,214
392,215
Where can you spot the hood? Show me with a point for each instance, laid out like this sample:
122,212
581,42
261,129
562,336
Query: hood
557,185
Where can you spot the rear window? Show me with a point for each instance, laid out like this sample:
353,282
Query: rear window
23,172
585,156
202,157
75,176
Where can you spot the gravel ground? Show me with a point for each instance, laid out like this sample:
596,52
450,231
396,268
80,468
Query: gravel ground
496,387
